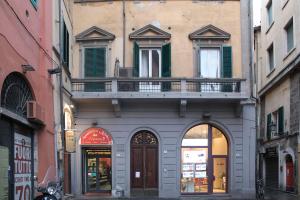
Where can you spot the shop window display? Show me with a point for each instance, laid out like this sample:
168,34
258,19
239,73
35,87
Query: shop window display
204,161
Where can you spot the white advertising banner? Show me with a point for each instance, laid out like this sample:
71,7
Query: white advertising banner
193,156
23,161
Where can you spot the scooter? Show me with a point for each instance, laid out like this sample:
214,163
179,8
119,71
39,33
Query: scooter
50,187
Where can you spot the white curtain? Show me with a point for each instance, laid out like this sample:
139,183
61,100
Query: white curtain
210,62
145,63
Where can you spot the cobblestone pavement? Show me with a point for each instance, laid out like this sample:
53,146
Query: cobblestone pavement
278,195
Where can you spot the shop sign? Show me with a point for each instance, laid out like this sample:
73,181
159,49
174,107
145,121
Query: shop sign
22,158
70,142
95,136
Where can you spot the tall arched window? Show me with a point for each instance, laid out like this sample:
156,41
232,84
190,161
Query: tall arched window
204,160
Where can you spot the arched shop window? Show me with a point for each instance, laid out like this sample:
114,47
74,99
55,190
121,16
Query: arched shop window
204,161
15,94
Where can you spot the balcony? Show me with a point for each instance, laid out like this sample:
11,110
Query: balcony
159,88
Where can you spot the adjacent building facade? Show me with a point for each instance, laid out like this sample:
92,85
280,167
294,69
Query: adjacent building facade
26,119
277,84
162,98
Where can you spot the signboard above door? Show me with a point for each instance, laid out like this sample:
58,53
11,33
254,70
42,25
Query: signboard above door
95,136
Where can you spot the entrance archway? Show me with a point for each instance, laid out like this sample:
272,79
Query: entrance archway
204,161
289,173
97,160
144,164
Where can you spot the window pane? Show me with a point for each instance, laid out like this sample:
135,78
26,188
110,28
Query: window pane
270,13
194,170
219,143
271,57
210,62
155,63
196,136
290,36
145,63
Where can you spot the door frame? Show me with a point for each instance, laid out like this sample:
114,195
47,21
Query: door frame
128,163
84,167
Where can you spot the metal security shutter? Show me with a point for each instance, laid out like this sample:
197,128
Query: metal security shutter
272,171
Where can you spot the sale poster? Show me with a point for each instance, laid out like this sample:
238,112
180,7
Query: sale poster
22,159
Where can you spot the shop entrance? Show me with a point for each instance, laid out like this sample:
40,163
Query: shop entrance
97,161
98,170
144,164
204,161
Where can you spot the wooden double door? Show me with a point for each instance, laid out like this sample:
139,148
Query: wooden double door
144,162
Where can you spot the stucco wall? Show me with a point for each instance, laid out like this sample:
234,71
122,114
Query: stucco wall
21,41
183,18
278,97
164,121
276,34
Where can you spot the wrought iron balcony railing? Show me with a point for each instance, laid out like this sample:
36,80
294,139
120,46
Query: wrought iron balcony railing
158,85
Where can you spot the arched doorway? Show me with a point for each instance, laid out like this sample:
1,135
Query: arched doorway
289,173
144,164
97,161
16,140
204,161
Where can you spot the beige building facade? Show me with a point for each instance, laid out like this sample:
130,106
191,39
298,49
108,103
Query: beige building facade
162,98
277,84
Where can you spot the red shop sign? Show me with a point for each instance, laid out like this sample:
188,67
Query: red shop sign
95,136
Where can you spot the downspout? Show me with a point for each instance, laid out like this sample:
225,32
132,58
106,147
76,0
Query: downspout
124,32
62,125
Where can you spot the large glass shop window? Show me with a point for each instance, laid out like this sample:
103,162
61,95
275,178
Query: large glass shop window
204,161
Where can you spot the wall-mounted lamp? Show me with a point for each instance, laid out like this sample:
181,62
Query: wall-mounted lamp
54,71
27,68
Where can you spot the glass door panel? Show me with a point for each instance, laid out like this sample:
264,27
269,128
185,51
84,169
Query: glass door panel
104,173
91,174
219,175
194,175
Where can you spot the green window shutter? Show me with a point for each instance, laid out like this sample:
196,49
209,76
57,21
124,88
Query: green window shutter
65,45
166,60
94,67
136,59
227,67
166,66
280,120
227,62
34,3
269,121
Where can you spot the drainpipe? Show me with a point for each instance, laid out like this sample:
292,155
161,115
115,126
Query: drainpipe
124,32
62,125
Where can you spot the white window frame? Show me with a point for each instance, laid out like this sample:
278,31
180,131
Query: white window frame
150,61
220,60
149,86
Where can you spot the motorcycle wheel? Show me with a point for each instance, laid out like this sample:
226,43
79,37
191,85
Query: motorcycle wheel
46,197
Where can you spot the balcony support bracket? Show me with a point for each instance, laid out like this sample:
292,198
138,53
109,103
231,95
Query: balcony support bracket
117,107
182,107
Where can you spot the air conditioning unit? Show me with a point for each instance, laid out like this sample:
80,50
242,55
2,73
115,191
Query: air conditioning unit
35,112
125,72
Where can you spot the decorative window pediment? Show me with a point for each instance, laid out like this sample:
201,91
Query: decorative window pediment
209,32
95,34
149,32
